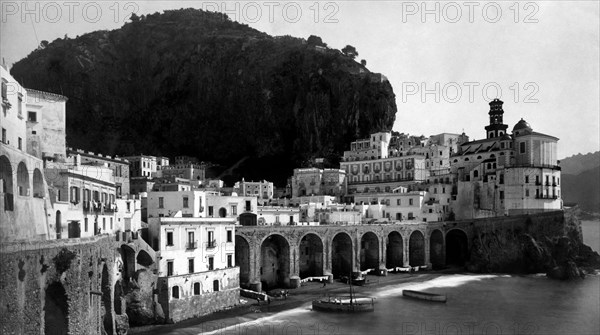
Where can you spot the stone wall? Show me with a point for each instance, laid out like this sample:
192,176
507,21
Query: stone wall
62,284
189,304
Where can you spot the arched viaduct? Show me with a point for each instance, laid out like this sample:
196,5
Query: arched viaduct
271,257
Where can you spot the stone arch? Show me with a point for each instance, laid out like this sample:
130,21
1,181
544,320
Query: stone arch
38,184
436,249
394,250
144,259
106,303
311,255
369,251
341,255
128,258
222,212
56,310
118,296
22,179
457,247
242,259
416,248
6,179
275,262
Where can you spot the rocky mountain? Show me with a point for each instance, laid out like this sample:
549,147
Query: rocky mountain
579,163
189,82
581,181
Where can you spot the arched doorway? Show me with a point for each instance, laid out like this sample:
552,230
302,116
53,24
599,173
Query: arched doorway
394,250
58,224
242,259
436,249
416,249
56,310
311,256
275,262
38,184
222,212
369,251
128,258
341,255
6,175
457,247
22,180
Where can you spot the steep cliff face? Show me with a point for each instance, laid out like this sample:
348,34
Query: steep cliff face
196,83
551,246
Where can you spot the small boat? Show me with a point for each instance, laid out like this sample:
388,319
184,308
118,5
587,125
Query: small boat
424,295
345,304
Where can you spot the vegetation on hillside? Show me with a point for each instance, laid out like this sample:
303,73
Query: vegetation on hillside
189,82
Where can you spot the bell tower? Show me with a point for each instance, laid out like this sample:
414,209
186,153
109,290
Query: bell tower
496,128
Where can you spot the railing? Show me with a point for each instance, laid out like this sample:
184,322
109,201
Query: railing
546,197
191,245
211,244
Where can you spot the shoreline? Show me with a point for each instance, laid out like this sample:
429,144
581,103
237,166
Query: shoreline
252,311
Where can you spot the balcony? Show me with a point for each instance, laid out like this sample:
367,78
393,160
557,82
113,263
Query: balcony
211,244
191,245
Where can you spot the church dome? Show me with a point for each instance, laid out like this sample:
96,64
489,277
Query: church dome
522,125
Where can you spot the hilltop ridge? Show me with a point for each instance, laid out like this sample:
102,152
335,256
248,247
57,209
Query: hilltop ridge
190,82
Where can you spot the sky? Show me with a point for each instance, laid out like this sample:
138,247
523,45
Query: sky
445,60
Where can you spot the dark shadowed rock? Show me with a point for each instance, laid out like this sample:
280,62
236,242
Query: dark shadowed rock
141,307
196,83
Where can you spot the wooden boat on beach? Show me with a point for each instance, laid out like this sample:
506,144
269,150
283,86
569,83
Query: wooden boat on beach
424,295
345,304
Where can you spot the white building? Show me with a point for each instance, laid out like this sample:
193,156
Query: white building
196,268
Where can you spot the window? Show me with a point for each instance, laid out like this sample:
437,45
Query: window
191,265
248,206
111,223
210,211
230,261
191,241
398,202
501,194
410,202
175,292
522,147
233,209
216,285
502,179
526,179
103,223
230,235
185,202
20,144
527,192
169,268
196,288
20,105
161,202
211,238
211,263
85,224
169,238
4,136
